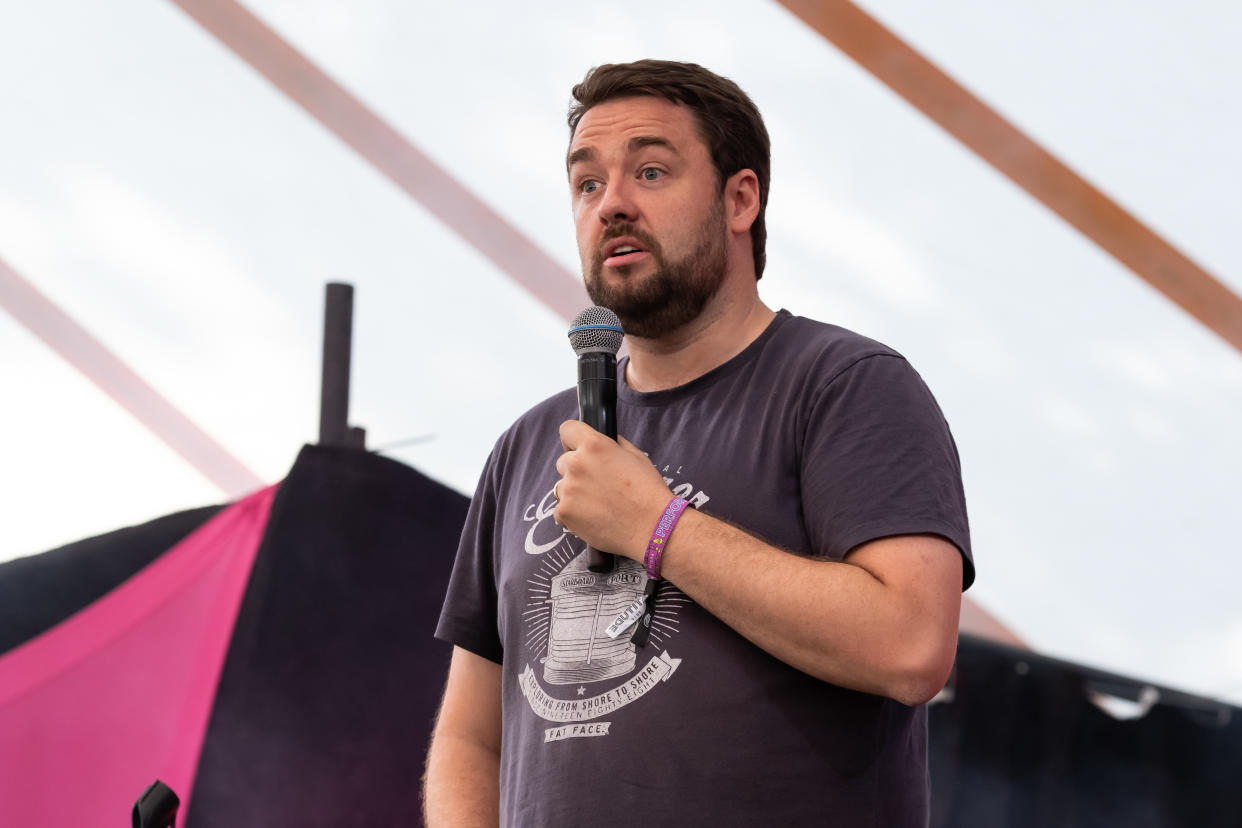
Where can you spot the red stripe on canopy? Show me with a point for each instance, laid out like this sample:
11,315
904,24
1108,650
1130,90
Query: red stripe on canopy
83,351
391,153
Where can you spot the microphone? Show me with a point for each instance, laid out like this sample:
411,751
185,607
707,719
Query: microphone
595,335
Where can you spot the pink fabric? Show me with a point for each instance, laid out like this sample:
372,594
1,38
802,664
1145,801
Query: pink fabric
99,706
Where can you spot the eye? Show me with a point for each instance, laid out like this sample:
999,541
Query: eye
588,186
652,173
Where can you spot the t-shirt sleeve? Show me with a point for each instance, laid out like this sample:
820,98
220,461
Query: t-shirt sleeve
468,618
878,460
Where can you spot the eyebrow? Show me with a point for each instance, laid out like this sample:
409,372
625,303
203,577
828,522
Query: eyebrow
580,154
636,143
652,141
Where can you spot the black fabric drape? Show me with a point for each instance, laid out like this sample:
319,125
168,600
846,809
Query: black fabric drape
40,591
327,696
1021,745
326,699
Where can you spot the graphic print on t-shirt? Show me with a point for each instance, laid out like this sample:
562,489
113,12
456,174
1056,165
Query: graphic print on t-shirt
584,604
568,613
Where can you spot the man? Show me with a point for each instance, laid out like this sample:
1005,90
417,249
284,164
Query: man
807,600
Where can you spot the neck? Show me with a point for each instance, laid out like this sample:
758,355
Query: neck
729,323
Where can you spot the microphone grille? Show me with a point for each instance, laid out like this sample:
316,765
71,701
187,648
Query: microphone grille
595,330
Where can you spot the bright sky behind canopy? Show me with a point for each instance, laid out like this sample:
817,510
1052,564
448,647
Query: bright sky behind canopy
187,213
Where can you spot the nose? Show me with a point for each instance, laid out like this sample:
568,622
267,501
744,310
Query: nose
618,202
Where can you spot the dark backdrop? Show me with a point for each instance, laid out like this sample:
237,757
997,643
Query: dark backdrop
332,680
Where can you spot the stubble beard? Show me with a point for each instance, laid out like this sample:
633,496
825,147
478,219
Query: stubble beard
676,293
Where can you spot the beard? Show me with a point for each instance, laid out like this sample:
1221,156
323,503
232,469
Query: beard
676,292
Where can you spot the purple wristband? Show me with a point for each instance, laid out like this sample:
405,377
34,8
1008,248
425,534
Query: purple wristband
659,538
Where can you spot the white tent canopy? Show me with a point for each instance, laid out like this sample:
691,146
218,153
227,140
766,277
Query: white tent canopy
187,213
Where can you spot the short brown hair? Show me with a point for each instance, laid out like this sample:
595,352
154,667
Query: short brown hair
728,119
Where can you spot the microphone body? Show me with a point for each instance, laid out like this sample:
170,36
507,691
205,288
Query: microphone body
597,407
596,336
597,392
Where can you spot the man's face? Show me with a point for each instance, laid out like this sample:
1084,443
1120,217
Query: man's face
649,213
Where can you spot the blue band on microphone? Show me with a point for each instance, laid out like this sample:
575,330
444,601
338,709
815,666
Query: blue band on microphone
577,328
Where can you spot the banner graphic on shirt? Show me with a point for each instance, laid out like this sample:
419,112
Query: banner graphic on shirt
659,669
576,731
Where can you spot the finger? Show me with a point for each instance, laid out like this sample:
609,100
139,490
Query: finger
562,464
571,432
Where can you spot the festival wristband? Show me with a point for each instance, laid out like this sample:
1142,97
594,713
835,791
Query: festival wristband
659,538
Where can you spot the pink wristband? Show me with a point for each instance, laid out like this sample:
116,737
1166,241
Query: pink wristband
659,538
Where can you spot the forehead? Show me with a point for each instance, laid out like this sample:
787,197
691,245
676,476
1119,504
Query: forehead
611,125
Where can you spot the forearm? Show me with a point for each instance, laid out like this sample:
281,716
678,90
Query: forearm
461,788
884,621
462,783
836,621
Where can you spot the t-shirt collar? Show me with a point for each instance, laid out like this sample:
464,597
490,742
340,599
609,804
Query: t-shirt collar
731,366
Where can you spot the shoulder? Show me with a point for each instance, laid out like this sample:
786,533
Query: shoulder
824,339
820,352
828,375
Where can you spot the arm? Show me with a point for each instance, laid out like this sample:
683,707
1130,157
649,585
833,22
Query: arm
882,621
461,787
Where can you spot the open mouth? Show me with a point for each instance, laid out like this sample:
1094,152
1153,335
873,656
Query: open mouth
625,254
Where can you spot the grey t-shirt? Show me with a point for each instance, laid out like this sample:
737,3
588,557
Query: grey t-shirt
814,439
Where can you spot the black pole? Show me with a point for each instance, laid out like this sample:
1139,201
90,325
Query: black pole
338,321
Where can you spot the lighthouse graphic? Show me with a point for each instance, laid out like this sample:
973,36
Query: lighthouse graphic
584,603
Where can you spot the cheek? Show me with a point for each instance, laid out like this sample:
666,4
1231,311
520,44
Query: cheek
586,235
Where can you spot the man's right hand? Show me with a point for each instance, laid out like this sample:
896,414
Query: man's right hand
461,787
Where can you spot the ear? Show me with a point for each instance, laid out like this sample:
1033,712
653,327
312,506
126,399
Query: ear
741,197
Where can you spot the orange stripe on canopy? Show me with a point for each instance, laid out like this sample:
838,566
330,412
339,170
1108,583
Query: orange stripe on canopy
1027,164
